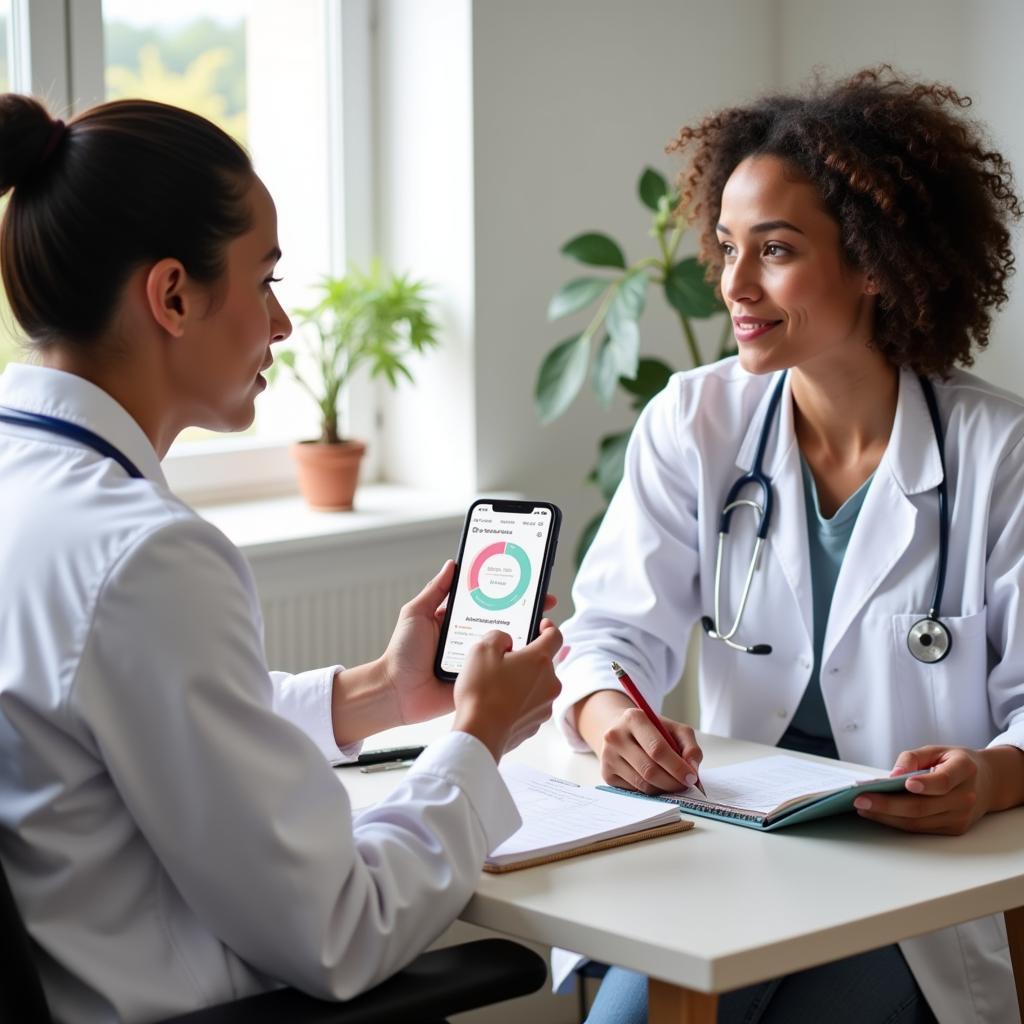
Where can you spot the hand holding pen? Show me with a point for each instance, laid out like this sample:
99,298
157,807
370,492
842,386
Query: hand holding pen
637,698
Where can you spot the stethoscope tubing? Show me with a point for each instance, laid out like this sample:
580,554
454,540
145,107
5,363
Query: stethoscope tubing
72,431
755,478
757,475
940,578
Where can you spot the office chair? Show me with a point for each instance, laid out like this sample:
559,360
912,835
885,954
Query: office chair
434,985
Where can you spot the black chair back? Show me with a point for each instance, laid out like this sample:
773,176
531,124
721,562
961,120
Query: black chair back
21,993
445,981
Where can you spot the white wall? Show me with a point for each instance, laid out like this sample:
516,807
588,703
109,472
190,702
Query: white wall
570,101
424,223
504,129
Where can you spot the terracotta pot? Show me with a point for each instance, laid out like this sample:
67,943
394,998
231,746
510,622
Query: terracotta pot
328,472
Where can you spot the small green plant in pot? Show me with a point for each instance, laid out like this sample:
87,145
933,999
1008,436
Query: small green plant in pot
378,319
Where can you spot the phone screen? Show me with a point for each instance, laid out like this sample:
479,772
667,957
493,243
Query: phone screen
500,572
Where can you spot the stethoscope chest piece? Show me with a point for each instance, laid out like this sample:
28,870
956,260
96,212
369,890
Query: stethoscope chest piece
929,640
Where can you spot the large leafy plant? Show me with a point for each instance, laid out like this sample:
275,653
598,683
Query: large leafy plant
375,318
608,348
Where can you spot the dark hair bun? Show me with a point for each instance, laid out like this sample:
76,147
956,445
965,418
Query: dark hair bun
25,131
128,183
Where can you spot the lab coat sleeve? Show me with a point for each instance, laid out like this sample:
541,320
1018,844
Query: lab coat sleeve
1004,584
238,804
305,700
636,596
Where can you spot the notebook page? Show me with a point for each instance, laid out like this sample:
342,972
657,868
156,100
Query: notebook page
559,815
762,784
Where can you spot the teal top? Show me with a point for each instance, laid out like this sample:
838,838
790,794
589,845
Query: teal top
827,540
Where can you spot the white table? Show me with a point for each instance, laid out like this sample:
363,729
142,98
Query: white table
720,906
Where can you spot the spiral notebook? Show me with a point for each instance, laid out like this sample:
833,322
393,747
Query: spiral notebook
768,793
564,819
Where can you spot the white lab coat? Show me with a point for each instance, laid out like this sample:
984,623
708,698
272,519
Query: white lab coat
649,577
171,827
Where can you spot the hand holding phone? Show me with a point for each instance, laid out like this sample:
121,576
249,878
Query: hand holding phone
503,696
503,567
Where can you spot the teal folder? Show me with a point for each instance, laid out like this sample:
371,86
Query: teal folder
792,812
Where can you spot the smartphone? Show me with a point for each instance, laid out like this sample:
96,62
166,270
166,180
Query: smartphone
502,571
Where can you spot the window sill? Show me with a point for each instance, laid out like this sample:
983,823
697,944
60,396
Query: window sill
286,524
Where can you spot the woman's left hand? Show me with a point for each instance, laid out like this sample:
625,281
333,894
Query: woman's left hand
408,662
948,800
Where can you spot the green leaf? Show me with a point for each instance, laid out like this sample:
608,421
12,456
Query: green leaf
651,377
688,292
595,249
610,462
587,536
606,370
575,295
623,314
624,350
561,376
652,187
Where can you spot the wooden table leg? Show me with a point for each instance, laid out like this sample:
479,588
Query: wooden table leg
670,1004
1015,933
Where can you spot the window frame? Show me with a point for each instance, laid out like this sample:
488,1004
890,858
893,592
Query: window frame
58,55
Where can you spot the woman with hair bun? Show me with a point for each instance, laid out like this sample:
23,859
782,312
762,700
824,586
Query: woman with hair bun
169,822
860,235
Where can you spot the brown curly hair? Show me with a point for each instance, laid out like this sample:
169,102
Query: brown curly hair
923,204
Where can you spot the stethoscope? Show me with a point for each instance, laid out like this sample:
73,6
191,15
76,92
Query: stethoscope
928,640
53,425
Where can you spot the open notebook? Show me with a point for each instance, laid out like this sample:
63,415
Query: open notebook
771,792
563,819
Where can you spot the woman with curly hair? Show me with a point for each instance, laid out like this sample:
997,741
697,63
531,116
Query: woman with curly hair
860,236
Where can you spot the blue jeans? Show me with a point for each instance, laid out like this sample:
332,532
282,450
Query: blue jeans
872,988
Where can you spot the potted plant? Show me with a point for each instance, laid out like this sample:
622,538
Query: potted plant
376,318
622,289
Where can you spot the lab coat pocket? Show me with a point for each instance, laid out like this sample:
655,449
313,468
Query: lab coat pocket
944,702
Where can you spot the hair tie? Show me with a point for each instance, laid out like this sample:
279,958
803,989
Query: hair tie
57,133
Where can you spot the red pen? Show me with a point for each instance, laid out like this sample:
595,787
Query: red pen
638,699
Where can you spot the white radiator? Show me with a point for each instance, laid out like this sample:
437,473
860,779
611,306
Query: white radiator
336,599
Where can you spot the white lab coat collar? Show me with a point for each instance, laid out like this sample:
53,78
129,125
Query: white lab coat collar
912,455
50,392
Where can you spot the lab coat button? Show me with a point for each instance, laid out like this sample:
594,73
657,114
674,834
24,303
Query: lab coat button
833,671
805,663
851,726
781,712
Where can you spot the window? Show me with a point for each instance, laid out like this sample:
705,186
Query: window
200,56
196,55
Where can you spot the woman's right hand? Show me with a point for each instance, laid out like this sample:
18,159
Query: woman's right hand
633,754
502,696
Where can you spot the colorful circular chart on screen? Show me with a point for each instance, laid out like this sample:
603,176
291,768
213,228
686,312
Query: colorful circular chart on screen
499,576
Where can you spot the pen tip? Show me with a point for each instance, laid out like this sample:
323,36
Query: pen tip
616,667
